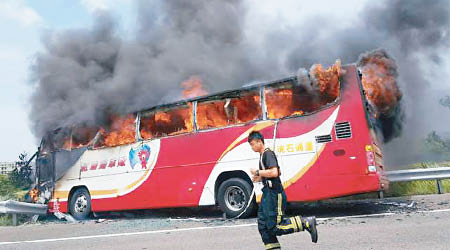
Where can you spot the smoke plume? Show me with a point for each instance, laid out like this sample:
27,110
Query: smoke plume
83,72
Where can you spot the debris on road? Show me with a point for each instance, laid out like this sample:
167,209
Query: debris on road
67,217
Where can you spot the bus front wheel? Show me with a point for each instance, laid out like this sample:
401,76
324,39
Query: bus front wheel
233,197
80,204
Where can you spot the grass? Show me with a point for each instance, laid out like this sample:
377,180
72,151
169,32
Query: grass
416,188
5,220
8,191
419,187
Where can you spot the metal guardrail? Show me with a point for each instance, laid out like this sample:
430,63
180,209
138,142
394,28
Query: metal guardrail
437,174
17,207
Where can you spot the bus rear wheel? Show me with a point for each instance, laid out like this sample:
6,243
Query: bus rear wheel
233,196
80,204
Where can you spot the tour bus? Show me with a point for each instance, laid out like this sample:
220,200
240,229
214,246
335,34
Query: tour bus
194,152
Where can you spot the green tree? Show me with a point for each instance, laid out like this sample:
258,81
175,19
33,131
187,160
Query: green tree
445,101
435,144
20,176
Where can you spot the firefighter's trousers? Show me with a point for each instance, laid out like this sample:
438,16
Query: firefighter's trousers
271,219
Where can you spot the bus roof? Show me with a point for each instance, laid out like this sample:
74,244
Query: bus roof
225,92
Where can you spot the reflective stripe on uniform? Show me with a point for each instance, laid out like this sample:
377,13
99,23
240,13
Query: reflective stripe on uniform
299,223
294,223
272,246
291,225
280,212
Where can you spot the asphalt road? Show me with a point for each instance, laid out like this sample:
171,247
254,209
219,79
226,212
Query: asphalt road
413,223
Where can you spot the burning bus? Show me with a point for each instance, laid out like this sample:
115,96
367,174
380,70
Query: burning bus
322,126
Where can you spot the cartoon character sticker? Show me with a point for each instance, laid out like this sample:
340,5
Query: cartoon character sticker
140,154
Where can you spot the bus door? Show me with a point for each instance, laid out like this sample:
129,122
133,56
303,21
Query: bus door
65,156
45,166
296,152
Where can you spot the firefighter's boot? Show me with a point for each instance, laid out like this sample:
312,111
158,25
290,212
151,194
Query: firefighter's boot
309,223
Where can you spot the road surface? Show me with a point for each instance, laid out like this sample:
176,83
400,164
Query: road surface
421,222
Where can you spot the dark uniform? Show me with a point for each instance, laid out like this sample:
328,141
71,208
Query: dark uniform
271,219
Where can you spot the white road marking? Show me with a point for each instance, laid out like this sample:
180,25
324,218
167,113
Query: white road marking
194,219
355,216
434,211
123,234
199,228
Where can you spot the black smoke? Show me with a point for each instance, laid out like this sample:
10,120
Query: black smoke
83,72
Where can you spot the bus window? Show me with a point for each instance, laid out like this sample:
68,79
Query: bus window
46,146
289,99
119,130
164,122
241,108
61,139
82,136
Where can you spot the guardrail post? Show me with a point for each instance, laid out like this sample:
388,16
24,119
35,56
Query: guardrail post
14,219
439,186
380,194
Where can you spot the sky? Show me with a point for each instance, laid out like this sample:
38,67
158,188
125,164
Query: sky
23,24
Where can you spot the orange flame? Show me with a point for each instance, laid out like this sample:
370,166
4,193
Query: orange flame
379,75
34,194
221,113
175,121
291,100
327,80
67,144
193,87
280,103
122,131
170,122
162,117
298,113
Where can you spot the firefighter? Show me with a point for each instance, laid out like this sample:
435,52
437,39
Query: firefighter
271,212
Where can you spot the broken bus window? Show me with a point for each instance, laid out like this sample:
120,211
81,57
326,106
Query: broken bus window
245,106
119,130
82,136
290,99
169,121
61,139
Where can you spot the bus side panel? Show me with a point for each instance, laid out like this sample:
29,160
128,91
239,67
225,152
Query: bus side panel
184,184
238,158
183,166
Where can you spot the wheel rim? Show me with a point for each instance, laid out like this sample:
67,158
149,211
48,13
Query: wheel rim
234,198
81,204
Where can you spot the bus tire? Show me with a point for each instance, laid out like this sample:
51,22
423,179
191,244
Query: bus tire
232,197
80,204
